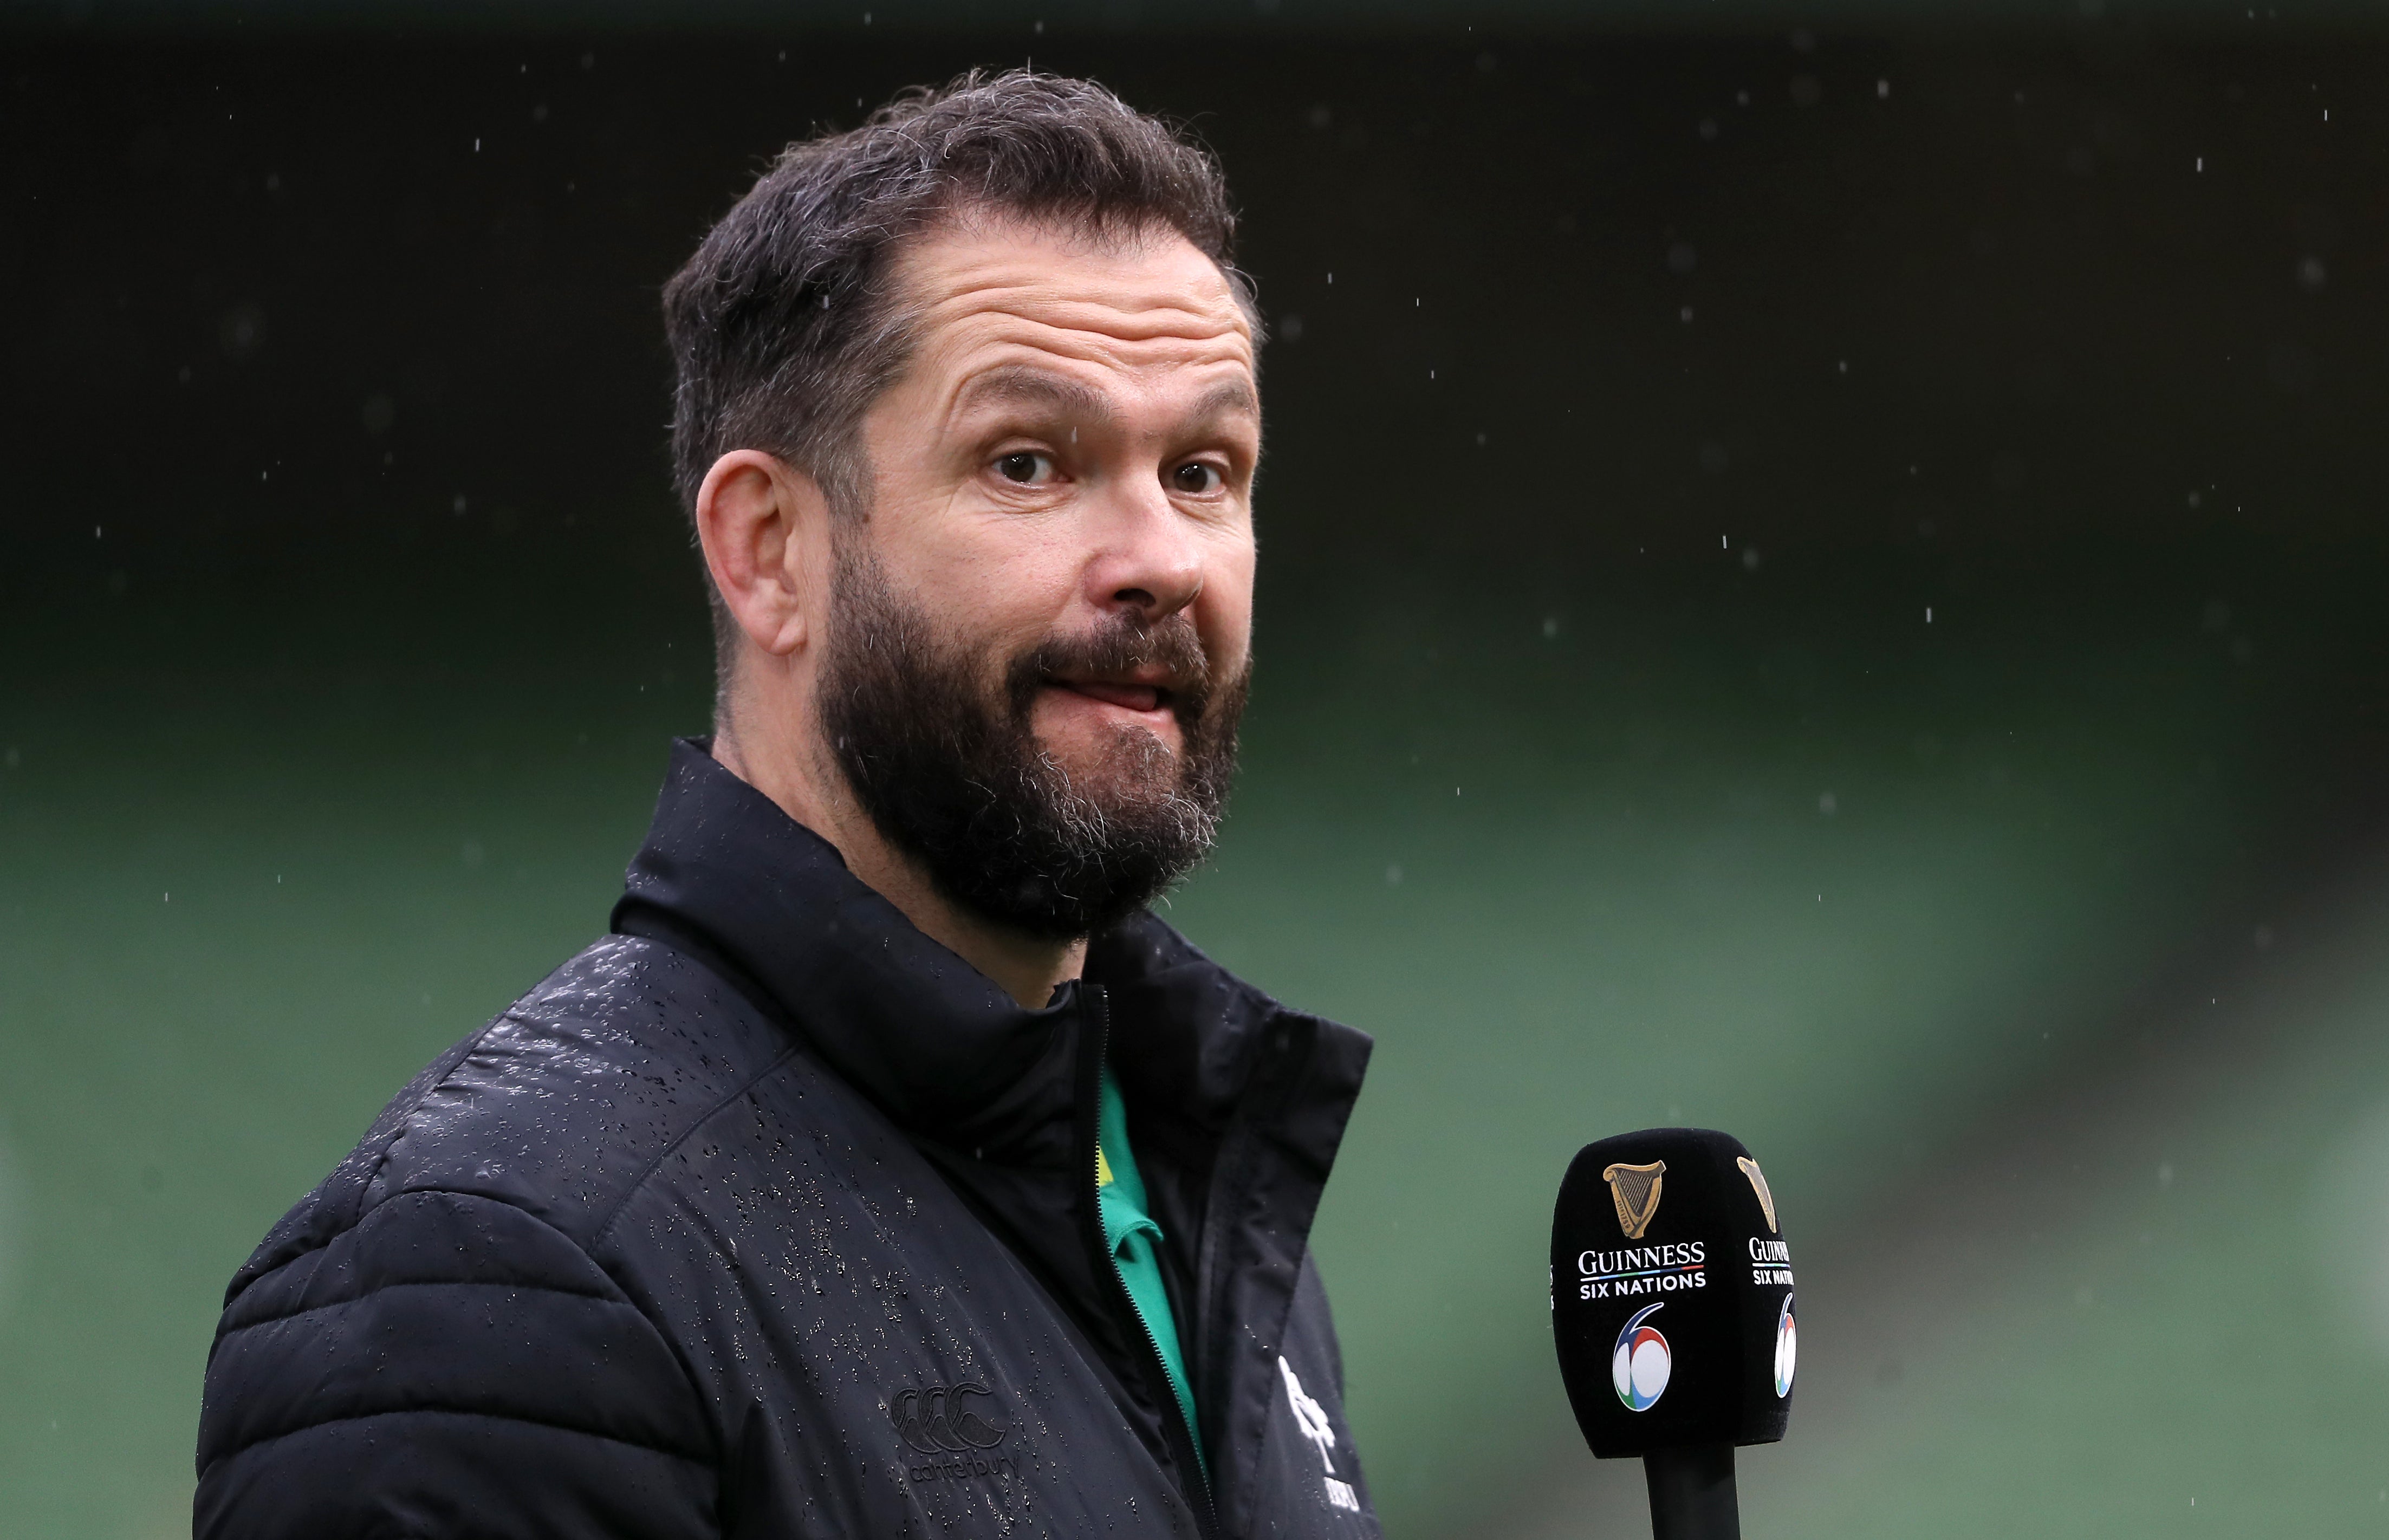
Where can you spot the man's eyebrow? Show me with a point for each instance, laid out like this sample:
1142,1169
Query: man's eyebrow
1024,385
1226,398
1019,385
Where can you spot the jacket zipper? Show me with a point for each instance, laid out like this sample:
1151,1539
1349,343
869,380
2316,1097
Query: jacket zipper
1173,1422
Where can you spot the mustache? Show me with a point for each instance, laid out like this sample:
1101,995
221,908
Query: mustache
1118,645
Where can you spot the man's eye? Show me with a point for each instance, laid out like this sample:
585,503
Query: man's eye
1196,478
1027,469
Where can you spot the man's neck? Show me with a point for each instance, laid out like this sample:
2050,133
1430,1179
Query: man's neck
1028,969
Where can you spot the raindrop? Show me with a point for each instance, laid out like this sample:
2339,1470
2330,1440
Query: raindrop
242,330
1828,805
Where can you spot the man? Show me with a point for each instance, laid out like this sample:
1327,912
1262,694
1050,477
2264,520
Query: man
890,1170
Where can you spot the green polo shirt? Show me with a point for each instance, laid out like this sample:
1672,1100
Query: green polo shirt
1135,1242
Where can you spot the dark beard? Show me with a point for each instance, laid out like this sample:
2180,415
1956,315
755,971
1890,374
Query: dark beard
958,782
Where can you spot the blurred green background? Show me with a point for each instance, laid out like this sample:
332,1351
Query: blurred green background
1823,577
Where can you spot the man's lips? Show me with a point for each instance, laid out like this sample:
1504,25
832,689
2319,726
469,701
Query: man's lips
1132,697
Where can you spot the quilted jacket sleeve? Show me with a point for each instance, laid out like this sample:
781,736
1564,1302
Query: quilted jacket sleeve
450,1367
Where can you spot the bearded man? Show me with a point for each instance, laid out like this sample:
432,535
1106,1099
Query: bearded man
889,1169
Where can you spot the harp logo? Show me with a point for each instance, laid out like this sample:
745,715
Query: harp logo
1759,1185
1787,1348
1635,1189
1639,1367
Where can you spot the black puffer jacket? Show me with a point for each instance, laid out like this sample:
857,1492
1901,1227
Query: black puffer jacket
767,1215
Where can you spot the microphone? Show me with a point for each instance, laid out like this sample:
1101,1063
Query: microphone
1671,1311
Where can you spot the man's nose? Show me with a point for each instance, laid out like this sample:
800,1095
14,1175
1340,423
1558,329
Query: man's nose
1149,559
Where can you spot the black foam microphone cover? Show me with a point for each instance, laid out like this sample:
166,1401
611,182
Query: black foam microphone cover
1671,1297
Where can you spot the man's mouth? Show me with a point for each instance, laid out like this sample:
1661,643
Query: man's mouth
1132,697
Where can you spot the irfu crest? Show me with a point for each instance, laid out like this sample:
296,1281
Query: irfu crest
1635,1189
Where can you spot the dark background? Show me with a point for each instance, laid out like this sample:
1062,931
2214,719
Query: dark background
1824,581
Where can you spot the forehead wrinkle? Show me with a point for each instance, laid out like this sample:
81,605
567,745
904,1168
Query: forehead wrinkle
1097,324
986,284
978,263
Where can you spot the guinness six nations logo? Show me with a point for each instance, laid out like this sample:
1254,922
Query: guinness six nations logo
1639,1365
1787,1348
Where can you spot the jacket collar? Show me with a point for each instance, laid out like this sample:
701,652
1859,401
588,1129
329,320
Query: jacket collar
942,1049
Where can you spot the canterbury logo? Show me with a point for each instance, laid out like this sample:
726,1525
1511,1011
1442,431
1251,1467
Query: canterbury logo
1635,1188
949,1421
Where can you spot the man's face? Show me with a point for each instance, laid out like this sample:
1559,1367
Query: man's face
1040,637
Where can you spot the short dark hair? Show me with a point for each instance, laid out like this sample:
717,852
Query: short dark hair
783,326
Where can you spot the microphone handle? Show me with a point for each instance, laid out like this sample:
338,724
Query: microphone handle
1692,1493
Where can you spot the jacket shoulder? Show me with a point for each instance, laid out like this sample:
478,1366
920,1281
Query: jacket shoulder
558,1107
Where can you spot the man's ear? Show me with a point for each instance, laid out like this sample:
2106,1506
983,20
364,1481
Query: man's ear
761,522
